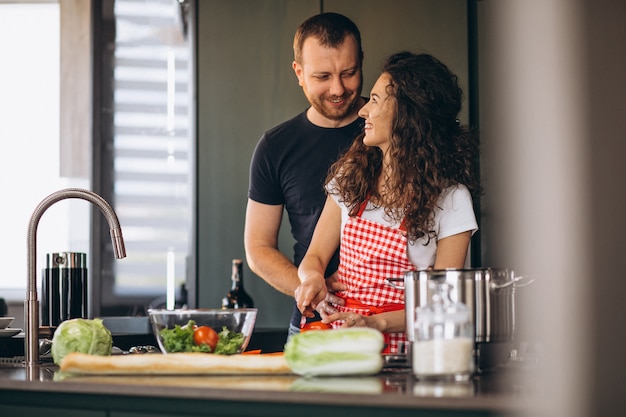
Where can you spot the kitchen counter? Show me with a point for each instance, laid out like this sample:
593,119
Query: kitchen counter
44,390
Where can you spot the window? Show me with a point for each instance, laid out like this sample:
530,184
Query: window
146,153
141,153
29,129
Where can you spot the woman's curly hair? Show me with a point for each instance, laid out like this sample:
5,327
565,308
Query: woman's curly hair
429,150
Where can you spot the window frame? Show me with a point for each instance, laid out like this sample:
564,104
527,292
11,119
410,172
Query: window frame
106,302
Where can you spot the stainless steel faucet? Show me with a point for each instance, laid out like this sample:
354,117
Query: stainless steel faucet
31,305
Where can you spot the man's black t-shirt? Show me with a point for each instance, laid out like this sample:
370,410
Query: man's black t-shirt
289,166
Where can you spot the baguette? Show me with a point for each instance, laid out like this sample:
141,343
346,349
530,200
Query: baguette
174,364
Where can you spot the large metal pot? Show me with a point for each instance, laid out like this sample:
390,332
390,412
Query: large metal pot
489,293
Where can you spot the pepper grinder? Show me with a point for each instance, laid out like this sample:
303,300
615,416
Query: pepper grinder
64,288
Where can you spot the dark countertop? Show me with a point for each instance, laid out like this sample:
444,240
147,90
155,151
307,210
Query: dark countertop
503,391
495,393
393,389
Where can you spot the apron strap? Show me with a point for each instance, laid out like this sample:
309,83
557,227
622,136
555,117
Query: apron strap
364,205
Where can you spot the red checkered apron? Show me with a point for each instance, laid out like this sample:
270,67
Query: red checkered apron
370,253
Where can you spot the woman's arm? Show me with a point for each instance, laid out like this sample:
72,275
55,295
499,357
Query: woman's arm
324,242
452,250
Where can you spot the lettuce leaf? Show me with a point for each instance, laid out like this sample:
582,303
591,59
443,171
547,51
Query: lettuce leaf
353,351
229,342
180,339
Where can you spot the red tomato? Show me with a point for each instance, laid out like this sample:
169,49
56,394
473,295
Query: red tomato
205,335
315,325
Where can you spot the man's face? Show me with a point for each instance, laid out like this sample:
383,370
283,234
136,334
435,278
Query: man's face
331,79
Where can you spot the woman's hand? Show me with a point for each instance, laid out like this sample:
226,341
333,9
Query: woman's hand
391,321
327,306
310,294
350,320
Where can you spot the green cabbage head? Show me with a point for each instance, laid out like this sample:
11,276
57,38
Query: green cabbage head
81,335
344,351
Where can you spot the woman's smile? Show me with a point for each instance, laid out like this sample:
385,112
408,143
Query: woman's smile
379,113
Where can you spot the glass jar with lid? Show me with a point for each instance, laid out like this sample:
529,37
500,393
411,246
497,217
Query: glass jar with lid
444,340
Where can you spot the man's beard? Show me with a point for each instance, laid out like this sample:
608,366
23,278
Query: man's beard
333,113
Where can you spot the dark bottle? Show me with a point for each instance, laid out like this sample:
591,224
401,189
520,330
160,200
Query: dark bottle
237,297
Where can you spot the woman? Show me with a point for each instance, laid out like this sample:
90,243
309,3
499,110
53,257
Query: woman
400,198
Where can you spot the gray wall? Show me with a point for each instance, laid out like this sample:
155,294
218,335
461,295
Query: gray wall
246,86
553,115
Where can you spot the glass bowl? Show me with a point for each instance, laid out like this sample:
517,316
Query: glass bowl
236,320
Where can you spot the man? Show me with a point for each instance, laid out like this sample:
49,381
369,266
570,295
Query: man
291,161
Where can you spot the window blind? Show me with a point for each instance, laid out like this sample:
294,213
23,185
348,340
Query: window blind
151,145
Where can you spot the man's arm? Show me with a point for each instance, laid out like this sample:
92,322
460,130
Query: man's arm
261,245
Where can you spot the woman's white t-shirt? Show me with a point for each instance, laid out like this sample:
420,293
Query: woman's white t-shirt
454,214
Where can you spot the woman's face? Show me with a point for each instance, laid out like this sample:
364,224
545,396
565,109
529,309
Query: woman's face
378,114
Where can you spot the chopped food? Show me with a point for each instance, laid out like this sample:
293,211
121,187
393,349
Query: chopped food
180,339
83,336
192,338
315,325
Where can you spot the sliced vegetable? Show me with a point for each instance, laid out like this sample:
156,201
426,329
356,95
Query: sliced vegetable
315,325
351,351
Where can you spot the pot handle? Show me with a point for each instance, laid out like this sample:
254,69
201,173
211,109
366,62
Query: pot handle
523,281
517,282
391,282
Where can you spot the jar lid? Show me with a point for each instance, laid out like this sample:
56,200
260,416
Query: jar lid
424,314
441,308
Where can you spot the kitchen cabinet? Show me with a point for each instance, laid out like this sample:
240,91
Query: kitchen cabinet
245,85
